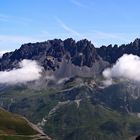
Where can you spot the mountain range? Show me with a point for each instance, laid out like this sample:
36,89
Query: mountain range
70,101
82,53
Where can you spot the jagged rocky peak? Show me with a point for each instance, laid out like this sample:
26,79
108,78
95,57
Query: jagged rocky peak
136,42
112,53
85,54
80,53
50,53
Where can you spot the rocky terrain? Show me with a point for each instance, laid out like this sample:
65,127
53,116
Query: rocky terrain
79,107
52,53
112,53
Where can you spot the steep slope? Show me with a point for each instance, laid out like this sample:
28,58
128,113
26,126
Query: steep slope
13,124
14,127
79,110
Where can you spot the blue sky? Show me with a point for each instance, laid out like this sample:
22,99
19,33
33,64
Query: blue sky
101,21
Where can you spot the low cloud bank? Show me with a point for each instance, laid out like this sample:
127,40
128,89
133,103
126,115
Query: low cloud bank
29,71
126,67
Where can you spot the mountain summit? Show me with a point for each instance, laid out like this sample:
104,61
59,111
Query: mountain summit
82,53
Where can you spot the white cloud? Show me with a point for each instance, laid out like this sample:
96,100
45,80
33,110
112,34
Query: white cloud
68,29
29,71
127,67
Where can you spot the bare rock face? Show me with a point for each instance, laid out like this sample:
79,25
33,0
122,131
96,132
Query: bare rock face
74,57
53,53
112,53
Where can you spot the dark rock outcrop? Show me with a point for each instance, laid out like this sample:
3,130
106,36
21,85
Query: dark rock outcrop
52,53
112,53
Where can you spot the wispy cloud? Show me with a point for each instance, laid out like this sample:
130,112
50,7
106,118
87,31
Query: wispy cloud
15,38
14,19
67,28
10,42
78,3
105,38
107,35
98,37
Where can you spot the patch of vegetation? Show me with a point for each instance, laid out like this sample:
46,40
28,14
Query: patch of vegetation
78,113
15,125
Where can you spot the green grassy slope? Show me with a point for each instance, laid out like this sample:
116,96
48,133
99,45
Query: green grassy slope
13,124
14,127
